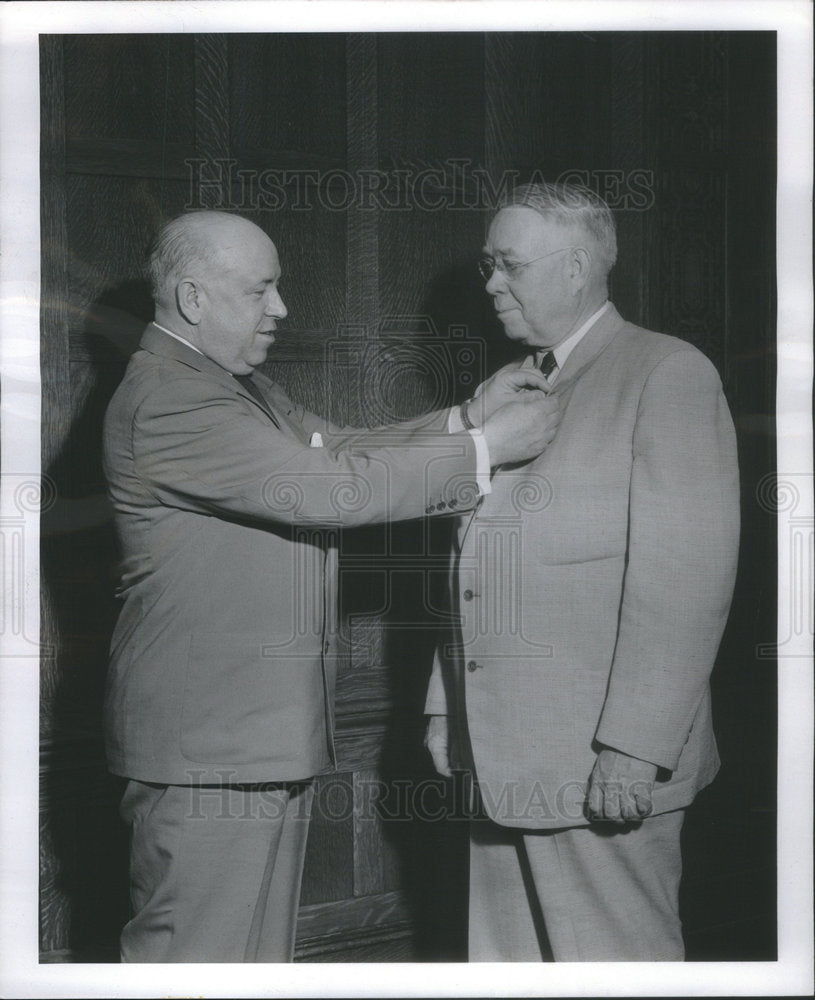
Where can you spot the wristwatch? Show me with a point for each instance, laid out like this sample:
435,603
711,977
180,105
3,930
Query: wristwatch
465,417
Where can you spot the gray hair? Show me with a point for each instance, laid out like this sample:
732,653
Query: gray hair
571,204
179,245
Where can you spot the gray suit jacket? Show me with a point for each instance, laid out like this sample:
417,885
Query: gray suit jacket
221,661
590,589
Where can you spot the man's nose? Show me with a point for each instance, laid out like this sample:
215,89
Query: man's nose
275,306
496,283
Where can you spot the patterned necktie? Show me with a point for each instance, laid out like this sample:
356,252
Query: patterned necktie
247,382
548,364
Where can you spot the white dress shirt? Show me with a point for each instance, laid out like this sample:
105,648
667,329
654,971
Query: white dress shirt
565,347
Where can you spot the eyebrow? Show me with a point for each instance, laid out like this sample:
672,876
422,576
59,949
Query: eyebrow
262,282
499,253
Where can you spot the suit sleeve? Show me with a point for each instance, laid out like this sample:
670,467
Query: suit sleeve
682,552
433,422
208,453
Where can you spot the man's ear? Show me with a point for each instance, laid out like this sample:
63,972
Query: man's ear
580,266
188,301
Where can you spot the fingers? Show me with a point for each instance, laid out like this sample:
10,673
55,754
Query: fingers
524,378
641,793
436,741
441,761
610,799
605,804
594,801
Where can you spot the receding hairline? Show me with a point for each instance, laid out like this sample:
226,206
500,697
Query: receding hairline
206,231
196,241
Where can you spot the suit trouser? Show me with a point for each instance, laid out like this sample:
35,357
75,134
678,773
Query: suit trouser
594,893
215,871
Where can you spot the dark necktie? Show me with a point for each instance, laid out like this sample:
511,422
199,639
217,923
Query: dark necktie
247,382
548,364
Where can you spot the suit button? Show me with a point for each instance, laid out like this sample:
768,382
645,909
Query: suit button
430,509
467,595
472,666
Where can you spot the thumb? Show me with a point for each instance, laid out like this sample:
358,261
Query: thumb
436,743
526,378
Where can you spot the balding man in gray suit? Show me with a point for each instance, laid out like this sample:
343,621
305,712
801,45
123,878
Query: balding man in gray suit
591,588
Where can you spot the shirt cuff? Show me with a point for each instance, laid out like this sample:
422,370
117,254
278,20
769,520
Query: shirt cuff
482,451
454,421
482,462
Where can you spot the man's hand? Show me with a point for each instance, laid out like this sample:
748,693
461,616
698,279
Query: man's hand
503,387
620,788
523,428
437,742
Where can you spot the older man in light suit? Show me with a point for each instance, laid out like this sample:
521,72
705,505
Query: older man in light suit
590,590
220,690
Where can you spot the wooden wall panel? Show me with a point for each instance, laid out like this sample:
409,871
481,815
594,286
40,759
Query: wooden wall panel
430,88
287,99
312,247
632,166
559,118
329,869
690,104
54,308
133,87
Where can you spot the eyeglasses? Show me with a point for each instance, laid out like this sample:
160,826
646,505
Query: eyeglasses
487,266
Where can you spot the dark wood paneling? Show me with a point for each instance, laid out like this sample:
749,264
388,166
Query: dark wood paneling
370,860
312,248
129,158
287,94
558,120
324,929
632,162
109,224
132,87
53,238
690,299
362,305
211,96
429,104
329,868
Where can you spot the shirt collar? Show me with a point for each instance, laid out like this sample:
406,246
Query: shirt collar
176,337
565,347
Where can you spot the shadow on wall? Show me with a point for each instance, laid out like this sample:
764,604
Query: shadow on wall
83,844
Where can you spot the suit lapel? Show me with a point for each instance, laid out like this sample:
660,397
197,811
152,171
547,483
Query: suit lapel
589,349
156,341
581,358
267,387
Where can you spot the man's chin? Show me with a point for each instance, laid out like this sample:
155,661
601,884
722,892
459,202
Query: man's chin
514,326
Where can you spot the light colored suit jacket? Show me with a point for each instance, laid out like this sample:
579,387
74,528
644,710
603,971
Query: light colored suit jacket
590,589
221,662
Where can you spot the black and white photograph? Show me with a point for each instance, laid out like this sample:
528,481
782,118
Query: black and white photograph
406,499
